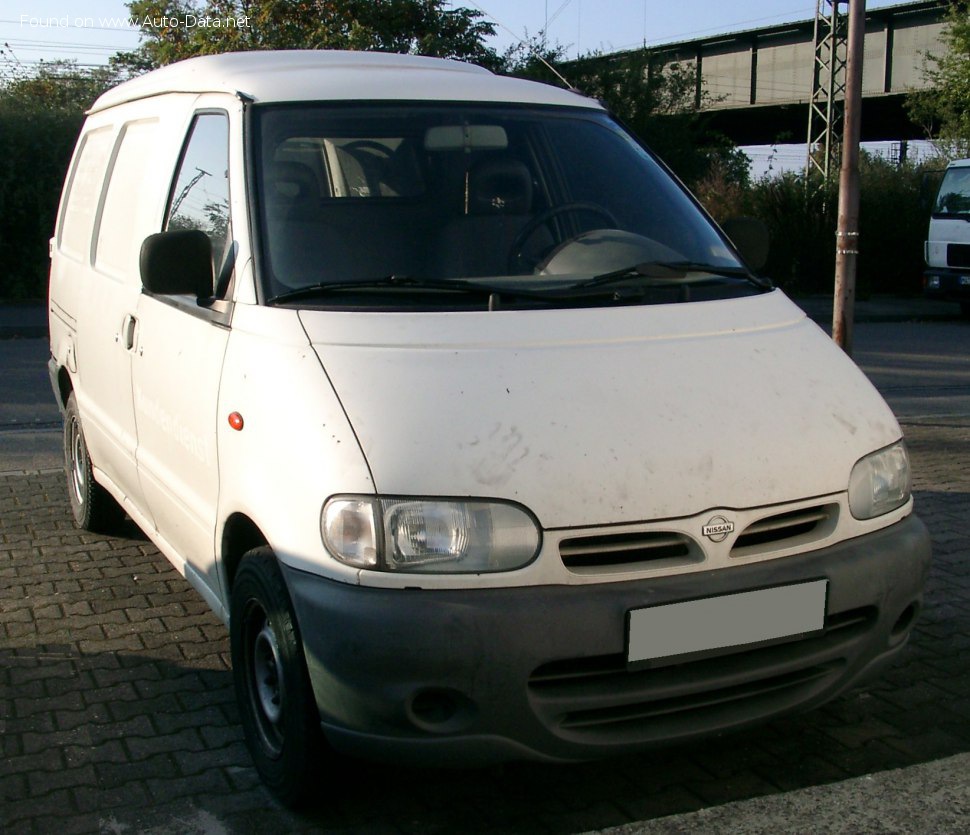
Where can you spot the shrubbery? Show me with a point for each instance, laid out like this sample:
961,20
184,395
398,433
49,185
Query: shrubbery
35,150
801,217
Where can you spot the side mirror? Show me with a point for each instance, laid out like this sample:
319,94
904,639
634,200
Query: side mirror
177,262
750,237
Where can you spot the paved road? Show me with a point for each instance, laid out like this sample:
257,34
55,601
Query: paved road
117,713
29,420
922,369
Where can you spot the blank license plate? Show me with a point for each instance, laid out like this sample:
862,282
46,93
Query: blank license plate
731,620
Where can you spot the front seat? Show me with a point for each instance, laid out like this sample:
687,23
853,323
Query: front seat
497,204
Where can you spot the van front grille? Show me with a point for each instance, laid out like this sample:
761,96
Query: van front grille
651,549
783,530
601,699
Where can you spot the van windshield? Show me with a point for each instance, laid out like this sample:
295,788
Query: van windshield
954,196
404,205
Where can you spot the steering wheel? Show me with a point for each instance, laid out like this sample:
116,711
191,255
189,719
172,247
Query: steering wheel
527,231
367,145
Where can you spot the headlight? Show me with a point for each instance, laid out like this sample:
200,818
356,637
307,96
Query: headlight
880,482
429,535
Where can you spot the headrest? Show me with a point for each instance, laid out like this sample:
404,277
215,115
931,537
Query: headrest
291,182
499,186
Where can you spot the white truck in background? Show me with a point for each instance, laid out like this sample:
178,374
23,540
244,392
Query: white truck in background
947,249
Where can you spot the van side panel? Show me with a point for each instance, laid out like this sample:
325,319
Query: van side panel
296,447
100,305
115,198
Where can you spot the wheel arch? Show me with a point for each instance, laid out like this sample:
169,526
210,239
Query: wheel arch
239,536
64,386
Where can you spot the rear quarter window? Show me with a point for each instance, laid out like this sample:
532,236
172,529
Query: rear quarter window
83,194
125,219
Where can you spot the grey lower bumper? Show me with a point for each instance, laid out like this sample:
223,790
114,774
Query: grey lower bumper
948,284
540,672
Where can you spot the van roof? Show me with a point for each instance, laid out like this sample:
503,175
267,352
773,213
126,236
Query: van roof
311,75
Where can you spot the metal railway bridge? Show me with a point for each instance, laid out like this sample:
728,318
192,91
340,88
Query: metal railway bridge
760,81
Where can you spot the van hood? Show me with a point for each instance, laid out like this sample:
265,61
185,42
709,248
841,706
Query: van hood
604,415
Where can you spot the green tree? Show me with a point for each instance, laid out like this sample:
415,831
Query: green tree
425,27
57,85
944,109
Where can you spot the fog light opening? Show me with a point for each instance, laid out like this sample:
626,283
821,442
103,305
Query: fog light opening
905,621
441,710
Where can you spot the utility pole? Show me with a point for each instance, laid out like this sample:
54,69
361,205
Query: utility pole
847,236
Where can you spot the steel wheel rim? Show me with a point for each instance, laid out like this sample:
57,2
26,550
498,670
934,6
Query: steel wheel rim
265,681
78,474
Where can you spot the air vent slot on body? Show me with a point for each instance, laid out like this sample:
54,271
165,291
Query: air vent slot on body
607,553
786,530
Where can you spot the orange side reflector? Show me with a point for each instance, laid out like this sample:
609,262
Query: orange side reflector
236,421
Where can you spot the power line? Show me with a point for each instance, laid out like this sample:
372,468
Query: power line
120,28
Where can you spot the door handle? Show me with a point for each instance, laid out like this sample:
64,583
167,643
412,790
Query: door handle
130,326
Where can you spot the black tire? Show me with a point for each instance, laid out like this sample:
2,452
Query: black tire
279,714
93,508
965,309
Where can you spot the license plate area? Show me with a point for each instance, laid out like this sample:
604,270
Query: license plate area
674,632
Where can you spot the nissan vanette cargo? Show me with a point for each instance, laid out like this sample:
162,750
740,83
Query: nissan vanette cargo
456,407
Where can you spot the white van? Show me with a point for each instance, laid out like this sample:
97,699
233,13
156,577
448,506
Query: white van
458,409
947,254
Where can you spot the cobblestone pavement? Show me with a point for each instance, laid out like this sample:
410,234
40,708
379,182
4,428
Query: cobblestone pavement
117,713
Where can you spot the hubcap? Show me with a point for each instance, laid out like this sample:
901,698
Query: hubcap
266,671
78,474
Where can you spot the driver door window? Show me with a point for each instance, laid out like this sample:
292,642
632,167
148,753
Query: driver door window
200,193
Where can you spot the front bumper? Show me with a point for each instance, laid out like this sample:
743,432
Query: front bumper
948,284
474,676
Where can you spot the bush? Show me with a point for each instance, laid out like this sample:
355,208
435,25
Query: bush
893,222
35,150
802,217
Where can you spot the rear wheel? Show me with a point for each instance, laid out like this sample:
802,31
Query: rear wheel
93,507
279,714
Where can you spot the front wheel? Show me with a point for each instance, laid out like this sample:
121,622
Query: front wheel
279,715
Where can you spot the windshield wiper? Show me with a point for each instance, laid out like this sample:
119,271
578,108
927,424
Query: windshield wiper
662,272
406,282
670,273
